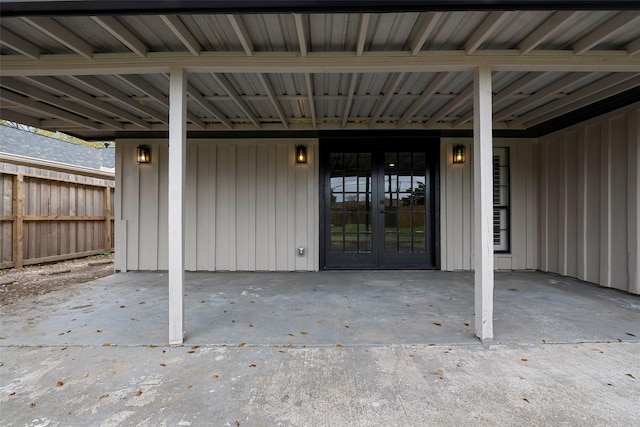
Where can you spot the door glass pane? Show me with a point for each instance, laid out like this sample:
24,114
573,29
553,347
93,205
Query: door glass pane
391,243
350,180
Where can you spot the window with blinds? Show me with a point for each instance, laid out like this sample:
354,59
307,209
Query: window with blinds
501,211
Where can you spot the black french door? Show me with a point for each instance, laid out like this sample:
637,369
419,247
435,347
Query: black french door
380,204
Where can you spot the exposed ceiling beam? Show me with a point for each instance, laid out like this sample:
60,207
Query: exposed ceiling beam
47,109
272,97
208,106
484,31
308,78
550,27
40,95
540,95
231,91
507,92
17,43
462,97
242,34
14,116
396,79
349,101
590,89
302,33
182,33
633,48
611,91
362,34
111,25
116,94
325,62
431,88
426,29
60,34
81,96
603,32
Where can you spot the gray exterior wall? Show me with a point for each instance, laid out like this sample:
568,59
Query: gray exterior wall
589,200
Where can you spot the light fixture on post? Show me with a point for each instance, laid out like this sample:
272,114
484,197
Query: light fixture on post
458,153
144,154
301,154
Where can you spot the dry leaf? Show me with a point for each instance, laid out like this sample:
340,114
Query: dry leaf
630,334
152,346
59,384
346,326
241,344
250,325
107,344
304,333
543,341
438,372
437,323
13,393
163,365
431,344
526,400
195,347
630,375
33,405
610,385
103,396
466,324
122,306
191,351
339,345
98,330
189,386
280,351
619,340
215,377
253,365
525,360
138,393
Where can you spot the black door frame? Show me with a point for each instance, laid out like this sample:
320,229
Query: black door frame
430,145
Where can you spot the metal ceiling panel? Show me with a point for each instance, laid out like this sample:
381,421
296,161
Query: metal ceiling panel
334,32
390,31
273,33
153,32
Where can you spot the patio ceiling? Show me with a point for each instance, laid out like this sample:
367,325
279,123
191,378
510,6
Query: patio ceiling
105,76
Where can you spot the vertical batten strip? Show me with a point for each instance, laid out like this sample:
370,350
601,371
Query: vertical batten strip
633,197
483,204
177,156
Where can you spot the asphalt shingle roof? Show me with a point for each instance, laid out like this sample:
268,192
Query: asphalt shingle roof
24,143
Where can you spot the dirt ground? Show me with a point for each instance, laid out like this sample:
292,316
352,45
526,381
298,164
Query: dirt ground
33,280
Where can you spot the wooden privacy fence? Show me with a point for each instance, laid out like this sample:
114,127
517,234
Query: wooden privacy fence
46,219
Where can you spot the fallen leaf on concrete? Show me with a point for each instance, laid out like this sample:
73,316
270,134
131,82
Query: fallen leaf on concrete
543,341
102,396
189,386
59,384
304,333
253,365
526,400
85,375
437,323
291,335
630,375
250,325
13,393
280,351
33,405
525,360
215,377
107,344
138,393
610,385
64,348
122,306
619,340
346,326
630,334
242,344
195,347
191,351
438,372
152,346
466,324
164,365
339,345
98,330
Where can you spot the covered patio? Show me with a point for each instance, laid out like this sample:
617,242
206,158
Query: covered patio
325,309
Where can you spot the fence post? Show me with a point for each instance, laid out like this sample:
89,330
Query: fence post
18,197
107,219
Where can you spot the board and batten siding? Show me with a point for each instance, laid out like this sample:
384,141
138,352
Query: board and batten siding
249,206
589,200
456,206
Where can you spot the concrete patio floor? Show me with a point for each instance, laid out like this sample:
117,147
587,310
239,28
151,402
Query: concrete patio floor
338,348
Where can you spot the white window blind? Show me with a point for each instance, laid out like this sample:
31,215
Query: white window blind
501,199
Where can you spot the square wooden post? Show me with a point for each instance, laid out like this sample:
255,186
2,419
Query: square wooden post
483,202
177,156
18,225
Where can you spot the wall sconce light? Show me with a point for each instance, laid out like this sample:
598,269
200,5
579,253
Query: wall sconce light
458,154
301,154
144,154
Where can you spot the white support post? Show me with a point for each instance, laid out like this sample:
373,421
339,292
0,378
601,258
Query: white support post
177,155
483,202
